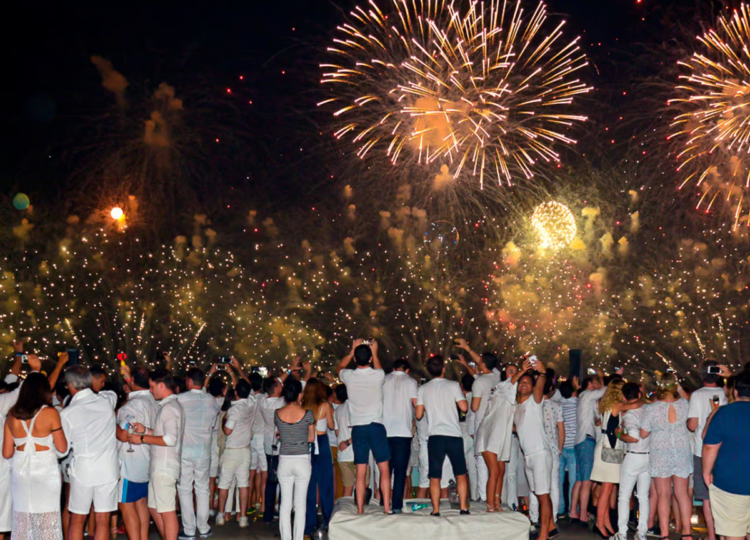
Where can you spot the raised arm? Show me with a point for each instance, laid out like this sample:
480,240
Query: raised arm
541,380
526,366
375,360
348,358
55,375
306,370
238,367
465,346
465,364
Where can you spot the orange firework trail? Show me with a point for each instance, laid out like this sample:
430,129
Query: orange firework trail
486,89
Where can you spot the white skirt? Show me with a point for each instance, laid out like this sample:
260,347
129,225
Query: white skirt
35,488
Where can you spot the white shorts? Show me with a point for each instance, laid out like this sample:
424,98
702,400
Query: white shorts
162,493
103,497
235,463
539,472
731,512
6,505
258,455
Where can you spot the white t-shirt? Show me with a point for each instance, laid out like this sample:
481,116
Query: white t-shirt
140,407
586,413
341,420
482,388
170,425
439,397
529,420
632,421
267,408
258,424
365,389
398,409
700,408
240,421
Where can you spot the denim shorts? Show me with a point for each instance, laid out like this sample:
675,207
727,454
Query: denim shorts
370,437
585,459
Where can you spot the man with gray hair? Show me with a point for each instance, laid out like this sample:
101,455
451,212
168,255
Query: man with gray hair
90,427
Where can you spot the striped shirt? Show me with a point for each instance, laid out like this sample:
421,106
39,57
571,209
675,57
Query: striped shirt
294,437
570,419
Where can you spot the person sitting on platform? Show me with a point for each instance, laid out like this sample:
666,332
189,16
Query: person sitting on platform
440,400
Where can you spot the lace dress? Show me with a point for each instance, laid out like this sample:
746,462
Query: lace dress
35,486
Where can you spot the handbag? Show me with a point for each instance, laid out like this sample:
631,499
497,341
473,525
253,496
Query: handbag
613,455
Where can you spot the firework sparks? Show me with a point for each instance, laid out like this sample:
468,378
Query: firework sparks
486,89
554,225
712,127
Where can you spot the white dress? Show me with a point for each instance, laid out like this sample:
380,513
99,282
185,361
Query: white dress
35,485
496,430
603,471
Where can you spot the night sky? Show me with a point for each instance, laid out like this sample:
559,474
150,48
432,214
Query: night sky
50,84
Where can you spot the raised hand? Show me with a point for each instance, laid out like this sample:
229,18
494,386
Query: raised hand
34,363
462,343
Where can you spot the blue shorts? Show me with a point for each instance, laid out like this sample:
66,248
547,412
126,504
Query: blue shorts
370,437
585,459
131,492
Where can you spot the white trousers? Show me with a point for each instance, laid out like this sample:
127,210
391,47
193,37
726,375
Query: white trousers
194,474
554,492
471,466
633,473
294,477
510,481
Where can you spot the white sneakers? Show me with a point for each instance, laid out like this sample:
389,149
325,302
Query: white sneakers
220,519
244,522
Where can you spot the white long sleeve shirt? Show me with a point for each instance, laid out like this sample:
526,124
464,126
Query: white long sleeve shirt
201,416
586,413
141,408
266,409
170,424
90,426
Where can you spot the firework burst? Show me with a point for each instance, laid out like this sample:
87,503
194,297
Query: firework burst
486,89
712,124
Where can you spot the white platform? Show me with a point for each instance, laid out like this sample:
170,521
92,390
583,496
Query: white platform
346,524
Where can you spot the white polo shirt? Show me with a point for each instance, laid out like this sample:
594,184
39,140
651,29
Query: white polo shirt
170,424
439,397
141,407
365,389
90,426
240,420
267,408
341,420
398,409
201,415
586,412
482,389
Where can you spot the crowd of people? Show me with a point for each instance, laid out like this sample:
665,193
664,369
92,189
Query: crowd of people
81,450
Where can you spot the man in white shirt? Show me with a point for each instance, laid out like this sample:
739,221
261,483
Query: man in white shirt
258,462
536,446
591,392
702,402
266,409
467,434
201,415
90,426
165,440
634,470
488,378
399,401
235,462
217,388
365,389
140,408
439,401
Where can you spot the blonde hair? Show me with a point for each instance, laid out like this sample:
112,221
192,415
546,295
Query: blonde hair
612,396
666,385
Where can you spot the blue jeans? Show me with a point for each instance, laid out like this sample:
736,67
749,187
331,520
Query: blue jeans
567,461
320,480
585,459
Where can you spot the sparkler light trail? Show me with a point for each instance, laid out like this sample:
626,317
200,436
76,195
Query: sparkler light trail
712,121
486,89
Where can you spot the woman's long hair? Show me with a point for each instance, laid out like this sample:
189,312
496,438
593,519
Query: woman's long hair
313,396
611,396
666,385
34,394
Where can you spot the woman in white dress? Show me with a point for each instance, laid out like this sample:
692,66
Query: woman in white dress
495,433
33,437
607,473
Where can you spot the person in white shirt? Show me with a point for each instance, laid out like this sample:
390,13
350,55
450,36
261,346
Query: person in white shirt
217,388
634,470
344,434
267,407
591,392
235,461
439,401
489,377
702,403
165,440
554,428
258,462
91,428
365,388
141,407
201,415
467,434
536,446
399,401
